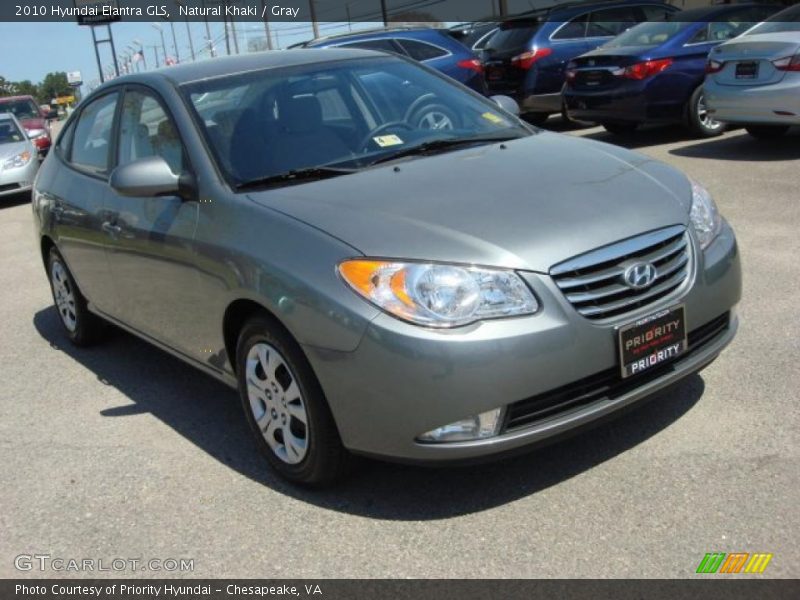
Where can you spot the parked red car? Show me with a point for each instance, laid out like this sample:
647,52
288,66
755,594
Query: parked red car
31,118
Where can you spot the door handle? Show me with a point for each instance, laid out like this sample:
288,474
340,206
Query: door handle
111,229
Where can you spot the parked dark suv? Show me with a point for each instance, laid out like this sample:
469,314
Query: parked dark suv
527,57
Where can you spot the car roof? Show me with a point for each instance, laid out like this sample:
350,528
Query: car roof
257,61
383,32
12,98
708,13
569,9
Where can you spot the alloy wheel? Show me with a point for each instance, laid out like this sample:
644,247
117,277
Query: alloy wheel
277,403
64,296
704,117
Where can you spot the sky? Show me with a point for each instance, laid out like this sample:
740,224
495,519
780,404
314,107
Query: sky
30,50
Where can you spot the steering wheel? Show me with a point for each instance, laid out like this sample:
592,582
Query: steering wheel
364,146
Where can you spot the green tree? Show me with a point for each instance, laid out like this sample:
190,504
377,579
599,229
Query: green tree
25,88
5,86
53,86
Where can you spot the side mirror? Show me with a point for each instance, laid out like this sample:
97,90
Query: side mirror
507,103
147,178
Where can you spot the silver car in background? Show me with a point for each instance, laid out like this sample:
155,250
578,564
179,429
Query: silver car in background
18,157
754,80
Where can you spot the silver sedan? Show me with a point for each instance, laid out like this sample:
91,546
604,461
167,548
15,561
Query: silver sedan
18,157
754,80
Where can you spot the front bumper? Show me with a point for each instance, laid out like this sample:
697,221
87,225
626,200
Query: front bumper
404,380
16,181
757,104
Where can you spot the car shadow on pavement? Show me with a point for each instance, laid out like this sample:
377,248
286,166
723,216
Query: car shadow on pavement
745,148
644,137
208,414
15,200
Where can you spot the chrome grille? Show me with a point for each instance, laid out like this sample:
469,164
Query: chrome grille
593,282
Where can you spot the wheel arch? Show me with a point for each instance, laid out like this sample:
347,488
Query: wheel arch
46,244
236,314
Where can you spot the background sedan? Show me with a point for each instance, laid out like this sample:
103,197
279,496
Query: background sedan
18,164
755,80
654,71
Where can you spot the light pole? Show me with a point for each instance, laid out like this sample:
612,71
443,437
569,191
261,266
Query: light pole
175,42
163,43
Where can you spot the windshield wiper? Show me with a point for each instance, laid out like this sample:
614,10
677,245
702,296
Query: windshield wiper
295,176
443,144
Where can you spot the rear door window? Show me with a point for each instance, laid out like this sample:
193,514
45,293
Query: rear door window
574,30
421,51
611,22
381,45
92,139
512,36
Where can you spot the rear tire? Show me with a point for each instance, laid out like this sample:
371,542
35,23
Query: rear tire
698,120
766,132
81,326
620,128
285,407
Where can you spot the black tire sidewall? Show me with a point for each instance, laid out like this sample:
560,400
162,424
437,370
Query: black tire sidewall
324,458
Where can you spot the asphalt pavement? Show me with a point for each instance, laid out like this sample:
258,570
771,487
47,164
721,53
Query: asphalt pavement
121,451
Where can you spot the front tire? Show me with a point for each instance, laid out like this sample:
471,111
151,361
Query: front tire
285,407
699,121
766,132
81,326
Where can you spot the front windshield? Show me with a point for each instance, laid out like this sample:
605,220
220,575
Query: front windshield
348,114
22,109
651,33
9,132
788,20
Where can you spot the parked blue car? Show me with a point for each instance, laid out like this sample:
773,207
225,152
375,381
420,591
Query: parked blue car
435,48
528,55
654,72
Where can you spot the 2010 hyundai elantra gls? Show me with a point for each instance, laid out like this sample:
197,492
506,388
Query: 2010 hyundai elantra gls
373,286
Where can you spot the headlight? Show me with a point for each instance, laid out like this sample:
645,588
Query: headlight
35,133
20,160
704,215
439,295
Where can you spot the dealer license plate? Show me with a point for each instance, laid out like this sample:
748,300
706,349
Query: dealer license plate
652,341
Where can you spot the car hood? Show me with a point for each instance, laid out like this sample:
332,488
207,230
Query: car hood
12,149
536,202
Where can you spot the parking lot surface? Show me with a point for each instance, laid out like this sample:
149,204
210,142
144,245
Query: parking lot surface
121,451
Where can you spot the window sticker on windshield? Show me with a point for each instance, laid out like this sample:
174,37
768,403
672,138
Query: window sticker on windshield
388,140
493,118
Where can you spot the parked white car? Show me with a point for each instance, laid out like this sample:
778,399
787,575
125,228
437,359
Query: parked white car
18,157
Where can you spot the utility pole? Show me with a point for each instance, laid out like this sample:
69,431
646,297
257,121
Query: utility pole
314,25
155,53
266,25
175,42
384,13
191,43
163,43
